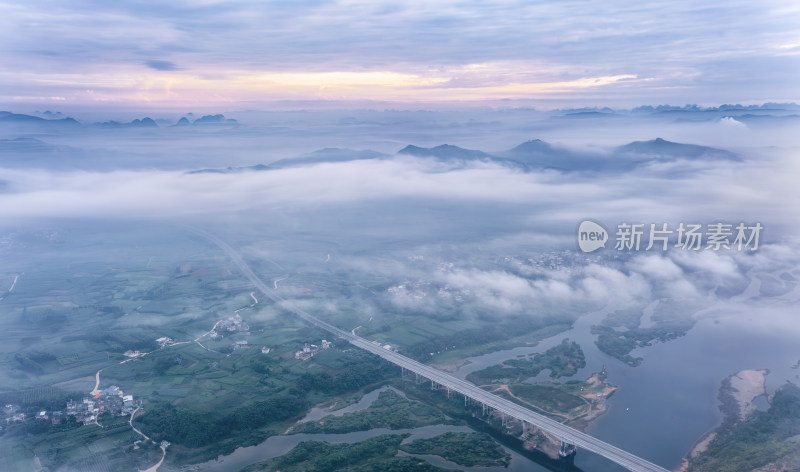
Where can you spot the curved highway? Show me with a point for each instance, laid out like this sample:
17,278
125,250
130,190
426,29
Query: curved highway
560,431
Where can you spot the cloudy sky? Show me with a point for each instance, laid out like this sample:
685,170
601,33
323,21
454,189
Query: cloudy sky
247,53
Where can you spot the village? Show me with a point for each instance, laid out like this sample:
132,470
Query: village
111,400
309,350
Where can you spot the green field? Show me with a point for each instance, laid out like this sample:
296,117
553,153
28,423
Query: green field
548,397
376,454
390,410
467,449
529,338
764,438
78,306
562,360
84,300
669,321
109,447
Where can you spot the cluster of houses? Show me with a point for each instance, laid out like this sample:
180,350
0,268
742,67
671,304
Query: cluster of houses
420,289
234,323
164,444
111,400
133,353
164,341
310,349
417,290
242,344
12,414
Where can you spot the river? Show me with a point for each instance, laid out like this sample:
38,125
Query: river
667,402
278,445
663,405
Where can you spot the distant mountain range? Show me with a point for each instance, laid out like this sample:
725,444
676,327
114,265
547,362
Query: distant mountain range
211,120
7,117
29,146
145,122
662,149
446,151
767,114
537,154
530,155
148,122
26,152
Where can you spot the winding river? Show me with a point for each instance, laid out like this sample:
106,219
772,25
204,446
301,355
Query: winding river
662,407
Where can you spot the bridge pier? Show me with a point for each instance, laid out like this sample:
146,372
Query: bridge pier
567,450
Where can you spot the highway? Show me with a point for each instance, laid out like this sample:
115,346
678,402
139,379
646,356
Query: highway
560,431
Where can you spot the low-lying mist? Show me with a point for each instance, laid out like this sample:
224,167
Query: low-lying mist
483,227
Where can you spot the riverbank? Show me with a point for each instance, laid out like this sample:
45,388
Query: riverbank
736,394
453,366
746,386
597,392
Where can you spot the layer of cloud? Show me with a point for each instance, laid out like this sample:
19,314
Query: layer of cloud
675,50
476,213
39,193
161,65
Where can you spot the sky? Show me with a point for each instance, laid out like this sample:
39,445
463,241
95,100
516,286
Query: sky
244,54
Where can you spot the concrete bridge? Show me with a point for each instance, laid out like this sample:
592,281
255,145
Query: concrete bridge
569,437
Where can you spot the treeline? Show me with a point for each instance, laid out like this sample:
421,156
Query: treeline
193,428
478,336
390,410
358,369
467,449
376,454
116,340
41,426
347,381
761,439
47,319
562,360
53,321
32,361
40,398
619,344
34,400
